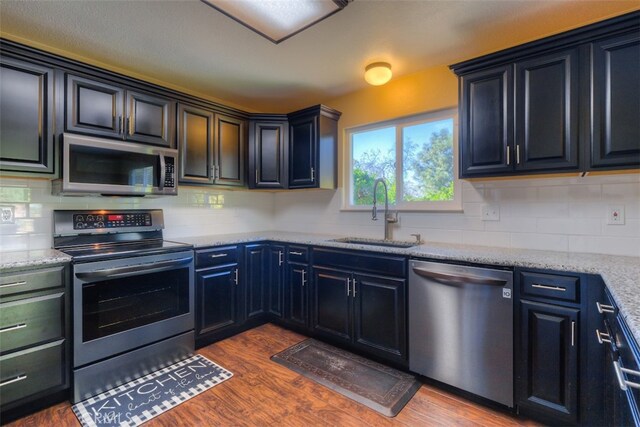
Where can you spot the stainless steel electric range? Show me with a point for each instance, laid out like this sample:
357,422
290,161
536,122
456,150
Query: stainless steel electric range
133,296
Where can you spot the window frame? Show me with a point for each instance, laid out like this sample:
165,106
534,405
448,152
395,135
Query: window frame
400,123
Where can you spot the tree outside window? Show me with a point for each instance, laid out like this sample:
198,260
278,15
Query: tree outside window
415,157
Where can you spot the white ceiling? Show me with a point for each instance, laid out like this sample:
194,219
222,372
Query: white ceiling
192,45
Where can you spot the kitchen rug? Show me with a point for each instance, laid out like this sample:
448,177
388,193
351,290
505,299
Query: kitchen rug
140,400
381,388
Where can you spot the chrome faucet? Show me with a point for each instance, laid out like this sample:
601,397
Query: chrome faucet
389,217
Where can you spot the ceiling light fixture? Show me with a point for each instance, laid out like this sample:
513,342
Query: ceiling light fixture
277,20
378,73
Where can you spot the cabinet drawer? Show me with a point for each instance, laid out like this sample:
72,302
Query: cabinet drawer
350,260
31,321
32,280
554,286
216,256
298,254
27,372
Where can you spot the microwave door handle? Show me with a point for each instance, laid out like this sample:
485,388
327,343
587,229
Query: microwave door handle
133,270
163,172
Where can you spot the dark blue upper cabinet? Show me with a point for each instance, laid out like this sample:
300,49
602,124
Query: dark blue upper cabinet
546,112
486,129
26,117
569,102
615,138
313,147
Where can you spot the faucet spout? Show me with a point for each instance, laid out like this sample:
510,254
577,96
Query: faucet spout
389,217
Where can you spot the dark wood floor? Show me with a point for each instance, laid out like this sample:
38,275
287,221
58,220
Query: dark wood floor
263,393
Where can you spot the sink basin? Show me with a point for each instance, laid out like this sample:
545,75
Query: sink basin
376,242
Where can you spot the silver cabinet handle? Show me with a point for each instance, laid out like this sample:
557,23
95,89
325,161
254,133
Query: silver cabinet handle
354,287
622,381
218,255
8,285
518,153
348,285
280,258
236,277
605,308
508,156
313,174
132,118
548,287
304,277
13,328
573,333
295,253
120,125
256,176
603,337
13,380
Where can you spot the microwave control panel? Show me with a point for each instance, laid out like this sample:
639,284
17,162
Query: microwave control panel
111,220
169,173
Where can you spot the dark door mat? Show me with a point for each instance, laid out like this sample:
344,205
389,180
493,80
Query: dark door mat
140,400
379,387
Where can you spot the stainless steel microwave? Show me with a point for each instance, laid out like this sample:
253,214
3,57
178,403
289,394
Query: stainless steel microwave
100,166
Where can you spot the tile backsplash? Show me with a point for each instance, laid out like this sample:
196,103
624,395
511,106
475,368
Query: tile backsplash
564,214
194,211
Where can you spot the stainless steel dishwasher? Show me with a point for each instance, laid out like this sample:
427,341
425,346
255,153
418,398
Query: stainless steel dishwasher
461,327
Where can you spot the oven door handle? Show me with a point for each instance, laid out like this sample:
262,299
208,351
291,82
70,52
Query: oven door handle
133,270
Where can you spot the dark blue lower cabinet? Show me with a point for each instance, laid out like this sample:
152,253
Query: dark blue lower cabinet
364,311
296,305
548,365
218,294
256,261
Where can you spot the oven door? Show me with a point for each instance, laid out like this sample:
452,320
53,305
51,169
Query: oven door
123,304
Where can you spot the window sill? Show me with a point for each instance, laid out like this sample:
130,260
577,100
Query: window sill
452,209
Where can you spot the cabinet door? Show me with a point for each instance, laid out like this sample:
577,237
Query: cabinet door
379,317
486,122
230,151
332,303
256,257
150,119
302,152
548,361
276,280
546,112
296,305
267,155
195,144
94,107
615,139
218,298
26,117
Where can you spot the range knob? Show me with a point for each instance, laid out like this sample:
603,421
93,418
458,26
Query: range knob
100,224
79,218
99,218
90,218
79,225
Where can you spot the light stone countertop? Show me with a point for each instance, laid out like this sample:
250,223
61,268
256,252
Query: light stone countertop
621,274
33,258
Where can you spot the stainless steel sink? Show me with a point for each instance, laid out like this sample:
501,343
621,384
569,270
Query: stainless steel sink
376,242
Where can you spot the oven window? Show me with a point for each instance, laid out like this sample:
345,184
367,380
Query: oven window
95,165
117,305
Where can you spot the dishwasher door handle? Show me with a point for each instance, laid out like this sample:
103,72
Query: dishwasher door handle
454,279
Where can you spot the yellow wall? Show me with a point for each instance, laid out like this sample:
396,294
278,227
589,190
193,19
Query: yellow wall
432,89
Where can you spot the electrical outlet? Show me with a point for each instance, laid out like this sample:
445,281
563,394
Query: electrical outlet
7,215
491,212
615,215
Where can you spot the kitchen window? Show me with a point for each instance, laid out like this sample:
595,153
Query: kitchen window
416,156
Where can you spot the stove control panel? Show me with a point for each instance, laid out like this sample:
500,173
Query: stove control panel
111,220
